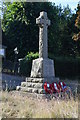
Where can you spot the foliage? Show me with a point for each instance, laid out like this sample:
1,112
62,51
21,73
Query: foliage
20,29
77,24
66,67
26,63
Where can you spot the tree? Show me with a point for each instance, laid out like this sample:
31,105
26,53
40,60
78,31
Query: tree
77,24
19,25
21,31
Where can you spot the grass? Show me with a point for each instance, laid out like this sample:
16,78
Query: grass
19,105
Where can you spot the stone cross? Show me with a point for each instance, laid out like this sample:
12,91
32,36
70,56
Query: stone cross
43,23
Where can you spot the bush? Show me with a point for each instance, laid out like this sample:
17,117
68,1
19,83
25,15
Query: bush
67,67
26,63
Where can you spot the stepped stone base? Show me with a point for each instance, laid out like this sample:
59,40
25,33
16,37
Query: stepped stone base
35,85
42,80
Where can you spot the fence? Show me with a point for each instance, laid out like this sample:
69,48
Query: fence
10,67
10,81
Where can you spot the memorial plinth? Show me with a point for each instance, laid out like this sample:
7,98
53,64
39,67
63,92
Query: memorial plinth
42,68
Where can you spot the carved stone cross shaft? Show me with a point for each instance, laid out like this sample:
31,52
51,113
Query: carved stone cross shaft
43,23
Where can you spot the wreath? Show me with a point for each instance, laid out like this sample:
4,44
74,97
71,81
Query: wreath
48,88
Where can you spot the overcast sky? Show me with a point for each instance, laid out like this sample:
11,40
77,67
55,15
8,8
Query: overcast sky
72,3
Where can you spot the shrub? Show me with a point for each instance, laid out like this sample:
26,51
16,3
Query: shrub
67,67
26,63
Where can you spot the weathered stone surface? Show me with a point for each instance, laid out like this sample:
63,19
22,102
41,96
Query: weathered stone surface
29,84
37,68
28,79
42,68
29,89
23,84
41,91
35,90
43,23
35,85
38,85
18,88
26,89
34,80
38,80
42,80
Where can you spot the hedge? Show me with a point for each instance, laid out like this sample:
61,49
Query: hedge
64,67
67,67
26,64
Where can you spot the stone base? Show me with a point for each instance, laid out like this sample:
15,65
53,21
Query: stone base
42,80
36,85
42,68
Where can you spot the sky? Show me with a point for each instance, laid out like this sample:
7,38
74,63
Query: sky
72,3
